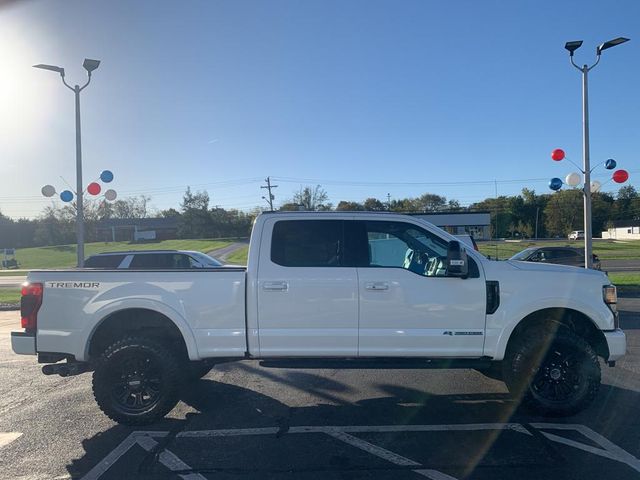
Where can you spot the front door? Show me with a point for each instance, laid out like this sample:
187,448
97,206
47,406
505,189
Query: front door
408,306
308,301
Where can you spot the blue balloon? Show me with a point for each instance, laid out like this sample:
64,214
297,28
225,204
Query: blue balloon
66,196
555,184
106,176
610,164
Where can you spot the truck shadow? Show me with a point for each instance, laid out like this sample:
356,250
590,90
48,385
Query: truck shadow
212,405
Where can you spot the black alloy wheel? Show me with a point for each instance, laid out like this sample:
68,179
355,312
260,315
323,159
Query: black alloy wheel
137,381
554,374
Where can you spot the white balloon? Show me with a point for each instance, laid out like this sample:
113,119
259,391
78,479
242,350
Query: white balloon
595,186
110,195
48,191
573,179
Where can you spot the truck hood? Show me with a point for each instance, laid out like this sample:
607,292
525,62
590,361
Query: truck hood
551,268
542,272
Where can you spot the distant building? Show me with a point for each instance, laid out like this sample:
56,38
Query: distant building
623,233
137,229
476,224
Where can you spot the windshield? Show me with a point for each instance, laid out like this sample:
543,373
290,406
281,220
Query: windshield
205,260
523,254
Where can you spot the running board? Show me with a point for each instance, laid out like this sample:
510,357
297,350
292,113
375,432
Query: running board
377,363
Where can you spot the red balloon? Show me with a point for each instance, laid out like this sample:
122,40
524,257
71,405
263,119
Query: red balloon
620,176
94,188
557,154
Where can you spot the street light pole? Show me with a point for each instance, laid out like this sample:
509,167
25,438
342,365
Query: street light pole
586,164
79,187
586,168
90,66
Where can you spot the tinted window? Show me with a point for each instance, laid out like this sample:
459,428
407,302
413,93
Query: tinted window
160,261
205,260
523,255
104,261
396,244
307,243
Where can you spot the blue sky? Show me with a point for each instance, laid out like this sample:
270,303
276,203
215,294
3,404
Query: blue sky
364,97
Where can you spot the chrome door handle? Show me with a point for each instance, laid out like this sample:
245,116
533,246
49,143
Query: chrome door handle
376,286
275,286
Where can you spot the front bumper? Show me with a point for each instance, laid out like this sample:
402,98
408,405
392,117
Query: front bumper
617,343
23,343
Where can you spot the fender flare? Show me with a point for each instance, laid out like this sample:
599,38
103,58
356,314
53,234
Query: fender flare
111,308
530,308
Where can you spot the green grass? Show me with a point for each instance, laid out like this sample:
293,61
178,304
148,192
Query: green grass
9,295
10,273
62,256
627,282
606,249
239,257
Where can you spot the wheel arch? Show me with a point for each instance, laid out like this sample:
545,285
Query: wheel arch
140,321
550,320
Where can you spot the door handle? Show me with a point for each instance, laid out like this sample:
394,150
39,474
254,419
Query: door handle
376,286
275,286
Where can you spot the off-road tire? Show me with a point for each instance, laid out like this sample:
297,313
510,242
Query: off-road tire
137,381
552,373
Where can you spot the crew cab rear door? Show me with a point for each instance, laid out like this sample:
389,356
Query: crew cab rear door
307,300
408,306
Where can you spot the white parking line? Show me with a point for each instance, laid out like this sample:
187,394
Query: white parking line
375,450
609,450
97,471
389,456
7,438
169,459
356,429
434,474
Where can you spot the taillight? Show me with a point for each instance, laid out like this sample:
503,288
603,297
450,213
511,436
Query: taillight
30,304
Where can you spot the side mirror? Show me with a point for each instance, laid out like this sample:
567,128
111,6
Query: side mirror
457,262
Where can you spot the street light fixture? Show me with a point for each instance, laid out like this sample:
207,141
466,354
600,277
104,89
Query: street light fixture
90,65
573,46
53,68
586,167
610,43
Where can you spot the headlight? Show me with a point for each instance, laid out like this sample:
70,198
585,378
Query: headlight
610,296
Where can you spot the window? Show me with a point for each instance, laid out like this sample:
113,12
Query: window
403,245
205,260
163,261
307,243
104,261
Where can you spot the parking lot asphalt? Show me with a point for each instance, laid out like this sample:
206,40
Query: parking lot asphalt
247,420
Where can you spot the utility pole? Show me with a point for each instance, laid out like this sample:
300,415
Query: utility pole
537,211
388,201
268,186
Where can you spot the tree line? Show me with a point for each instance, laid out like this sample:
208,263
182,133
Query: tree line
527,214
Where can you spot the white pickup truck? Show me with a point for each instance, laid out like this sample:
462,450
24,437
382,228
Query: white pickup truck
371,288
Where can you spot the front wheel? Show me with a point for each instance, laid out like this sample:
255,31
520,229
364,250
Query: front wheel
137,381
559,376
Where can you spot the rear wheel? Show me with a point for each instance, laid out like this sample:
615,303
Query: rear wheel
556,375
137,381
